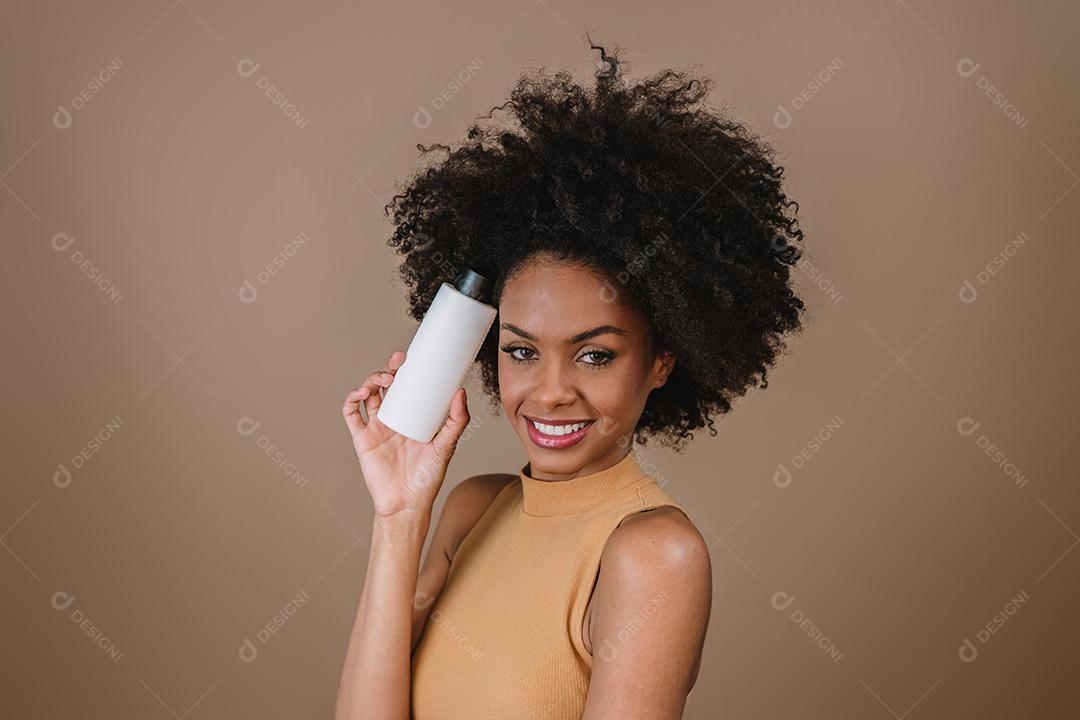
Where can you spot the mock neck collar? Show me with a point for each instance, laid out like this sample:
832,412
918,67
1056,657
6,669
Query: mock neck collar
565,497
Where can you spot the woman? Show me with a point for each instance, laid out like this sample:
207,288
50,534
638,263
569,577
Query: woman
641,247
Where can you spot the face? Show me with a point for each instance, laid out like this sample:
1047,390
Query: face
573,353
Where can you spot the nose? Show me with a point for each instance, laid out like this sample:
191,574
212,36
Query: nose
554,387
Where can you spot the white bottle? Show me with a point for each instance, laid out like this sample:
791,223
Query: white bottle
438,358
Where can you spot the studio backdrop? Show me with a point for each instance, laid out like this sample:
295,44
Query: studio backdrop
196,271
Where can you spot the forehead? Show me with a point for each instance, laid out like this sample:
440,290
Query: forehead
556,300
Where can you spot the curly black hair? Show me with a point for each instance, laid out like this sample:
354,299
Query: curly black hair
674,201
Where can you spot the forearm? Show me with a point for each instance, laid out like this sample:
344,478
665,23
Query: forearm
376,677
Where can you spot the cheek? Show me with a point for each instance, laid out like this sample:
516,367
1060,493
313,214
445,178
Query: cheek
509,383
613,393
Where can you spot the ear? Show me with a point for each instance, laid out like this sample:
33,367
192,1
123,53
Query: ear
665,363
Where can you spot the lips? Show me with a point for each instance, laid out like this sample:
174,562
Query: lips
556,442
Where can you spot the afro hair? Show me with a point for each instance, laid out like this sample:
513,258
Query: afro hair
677,203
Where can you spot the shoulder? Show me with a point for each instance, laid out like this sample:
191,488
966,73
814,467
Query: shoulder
467,502
652,602
660,542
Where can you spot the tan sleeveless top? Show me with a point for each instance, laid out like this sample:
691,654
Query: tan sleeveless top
504,638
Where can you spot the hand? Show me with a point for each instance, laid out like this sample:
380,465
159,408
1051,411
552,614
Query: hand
403,475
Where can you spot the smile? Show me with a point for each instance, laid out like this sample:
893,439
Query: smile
557,436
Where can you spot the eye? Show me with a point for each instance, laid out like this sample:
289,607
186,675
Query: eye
511,350
601,357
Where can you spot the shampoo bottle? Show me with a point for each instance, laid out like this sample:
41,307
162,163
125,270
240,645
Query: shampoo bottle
438,357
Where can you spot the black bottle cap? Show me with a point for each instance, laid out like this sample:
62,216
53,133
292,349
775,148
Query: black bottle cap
475,286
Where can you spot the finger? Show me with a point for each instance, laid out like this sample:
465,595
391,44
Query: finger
351,411
372,398
397,359
447,438
380,378
372,402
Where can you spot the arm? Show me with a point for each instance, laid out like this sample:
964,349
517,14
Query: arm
375,679
650,613
404,477
395,603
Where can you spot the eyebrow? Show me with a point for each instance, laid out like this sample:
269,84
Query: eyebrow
601,330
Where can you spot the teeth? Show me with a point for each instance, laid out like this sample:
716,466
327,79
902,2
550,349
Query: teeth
558,429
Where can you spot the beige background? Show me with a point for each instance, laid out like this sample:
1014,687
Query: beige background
227,491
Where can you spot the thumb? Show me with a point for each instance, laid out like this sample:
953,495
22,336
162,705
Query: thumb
445,441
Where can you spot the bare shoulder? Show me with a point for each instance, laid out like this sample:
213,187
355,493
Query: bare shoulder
468,501
655,564
659,542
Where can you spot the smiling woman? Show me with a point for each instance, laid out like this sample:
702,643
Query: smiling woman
549,580
640,246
